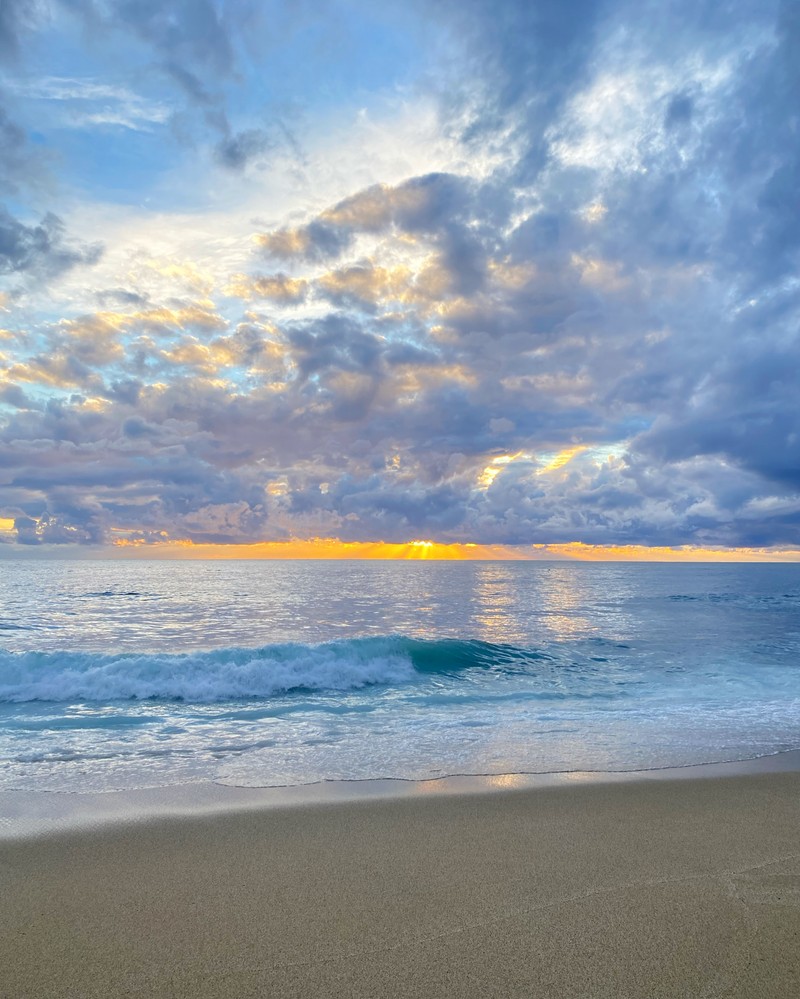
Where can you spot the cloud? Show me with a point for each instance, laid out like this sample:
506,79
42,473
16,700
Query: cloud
13,395
87,102
432,205
17,17
583,330
13,154
188,38
279,288
522,64
238,149
319,240
40,249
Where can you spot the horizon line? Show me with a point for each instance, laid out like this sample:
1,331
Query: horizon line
333,549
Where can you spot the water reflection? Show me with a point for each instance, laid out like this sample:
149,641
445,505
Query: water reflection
496,601
517,603
561,603
202,605
507,780
618,667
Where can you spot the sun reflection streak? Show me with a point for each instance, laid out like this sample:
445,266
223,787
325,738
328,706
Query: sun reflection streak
494,594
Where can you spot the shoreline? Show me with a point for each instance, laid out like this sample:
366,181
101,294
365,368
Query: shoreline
28,814
660,888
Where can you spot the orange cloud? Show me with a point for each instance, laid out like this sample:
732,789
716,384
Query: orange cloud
276,287
372,209
284,243
368,283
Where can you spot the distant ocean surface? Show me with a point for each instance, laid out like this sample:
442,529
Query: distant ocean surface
148,673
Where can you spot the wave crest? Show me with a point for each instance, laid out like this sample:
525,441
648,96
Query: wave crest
241,673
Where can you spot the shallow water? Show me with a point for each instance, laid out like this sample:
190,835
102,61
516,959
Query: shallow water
137,674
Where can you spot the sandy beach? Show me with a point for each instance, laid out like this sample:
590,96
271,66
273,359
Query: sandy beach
680,888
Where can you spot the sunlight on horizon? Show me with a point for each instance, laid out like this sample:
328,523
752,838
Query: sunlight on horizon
426,550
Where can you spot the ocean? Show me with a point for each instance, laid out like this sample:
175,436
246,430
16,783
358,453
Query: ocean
135,674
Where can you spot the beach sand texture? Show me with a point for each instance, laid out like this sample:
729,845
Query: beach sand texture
685,888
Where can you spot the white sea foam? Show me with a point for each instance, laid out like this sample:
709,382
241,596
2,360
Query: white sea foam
200,677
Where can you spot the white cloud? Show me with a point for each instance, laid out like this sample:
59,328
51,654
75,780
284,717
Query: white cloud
95,104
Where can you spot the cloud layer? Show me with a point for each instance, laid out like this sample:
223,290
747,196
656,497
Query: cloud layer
561,305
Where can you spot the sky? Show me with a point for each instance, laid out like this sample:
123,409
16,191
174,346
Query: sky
519,276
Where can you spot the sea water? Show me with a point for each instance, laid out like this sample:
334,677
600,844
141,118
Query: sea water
123,674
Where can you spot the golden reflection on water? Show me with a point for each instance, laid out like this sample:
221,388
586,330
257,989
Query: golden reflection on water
507,780
562,601
459,783
583,776
496,598
559,599
427,786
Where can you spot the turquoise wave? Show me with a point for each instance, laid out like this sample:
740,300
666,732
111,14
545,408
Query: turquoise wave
236,673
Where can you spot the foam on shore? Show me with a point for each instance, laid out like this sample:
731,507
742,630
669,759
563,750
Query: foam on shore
26,814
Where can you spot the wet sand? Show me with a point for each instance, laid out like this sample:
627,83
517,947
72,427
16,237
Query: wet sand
680,888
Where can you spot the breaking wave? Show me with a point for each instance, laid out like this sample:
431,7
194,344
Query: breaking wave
237,673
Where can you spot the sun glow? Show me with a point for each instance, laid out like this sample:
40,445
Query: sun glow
319,548
496,465
552,463
580,552
561,459
426,550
